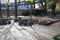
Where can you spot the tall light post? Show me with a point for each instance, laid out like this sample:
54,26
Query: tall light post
8,8
15,10
45,9
43,4
8,15
31,2
34,3
0,9
19,2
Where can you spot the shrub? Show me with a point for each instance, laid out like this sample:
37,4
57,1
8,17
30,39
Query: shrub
57,37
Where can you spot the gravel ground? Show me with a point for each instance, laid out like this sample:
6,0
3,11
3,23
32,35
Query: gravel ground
36,32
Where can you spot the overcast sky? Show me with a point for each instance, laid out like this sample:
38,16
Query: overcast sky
11,1
4,1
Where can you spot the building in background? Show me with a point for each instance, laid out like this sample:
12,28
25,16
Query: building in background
20,9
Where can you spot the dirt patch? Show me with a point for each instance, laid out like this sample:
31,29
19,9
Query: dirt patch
57,24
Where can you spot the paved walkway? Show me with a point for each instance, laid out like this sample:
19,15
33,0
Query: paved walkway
36,32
